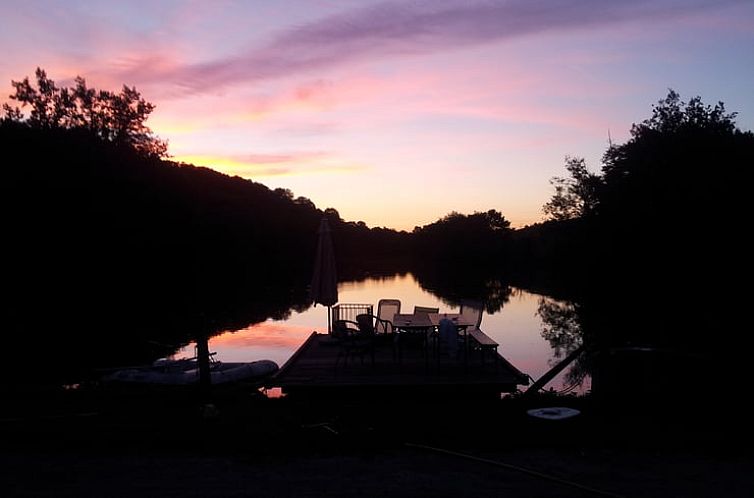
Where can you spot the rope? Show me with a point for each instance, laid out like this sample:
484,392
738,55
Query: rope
523,470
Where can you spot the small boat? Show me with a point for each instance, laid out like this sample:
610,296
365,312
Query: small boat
186,372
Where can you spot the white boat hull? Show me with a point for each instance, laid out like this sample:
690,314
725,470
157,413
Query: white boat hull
178,373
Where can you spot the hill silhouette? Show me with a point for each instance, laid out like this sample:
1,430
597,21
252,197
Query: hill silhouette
105,243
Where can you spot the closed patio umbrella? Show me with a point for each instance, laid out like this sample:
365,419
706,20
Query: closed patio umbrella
324,288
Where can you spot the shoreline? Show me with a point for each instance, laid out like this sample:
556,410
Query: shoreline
149,443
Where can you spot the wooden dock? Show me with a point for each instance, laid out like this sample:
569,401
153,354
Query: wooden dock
315,369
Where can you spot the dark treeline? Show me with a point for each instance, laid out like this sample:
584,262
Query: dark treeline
653,249
675,191
669,205
462,240
108,239
103,241
657,236
362,251
462,257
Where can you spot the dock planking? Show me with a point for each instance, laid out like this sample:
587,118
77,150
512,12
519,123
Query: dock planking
315,369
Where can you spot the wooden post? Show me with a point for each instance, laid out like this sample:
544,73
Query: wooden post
202,353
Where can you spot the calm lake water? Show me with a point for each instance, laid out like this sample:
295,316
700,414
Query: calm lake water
517,327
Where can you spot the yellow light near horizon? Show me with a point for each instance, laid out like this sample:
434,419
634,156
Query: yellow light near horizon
215,162
231,166
326,185
256,170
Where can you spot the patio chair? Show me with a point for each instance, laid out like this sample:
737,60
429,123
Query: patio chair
373,325
352,341
381,331
431,332
425,309
343,329
388,308
472,311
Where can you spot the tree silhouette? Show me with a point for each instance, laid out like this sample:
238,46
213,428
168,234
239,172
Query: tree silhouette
684,164
114,117
665,232
468,240
561,327
575,196
666,167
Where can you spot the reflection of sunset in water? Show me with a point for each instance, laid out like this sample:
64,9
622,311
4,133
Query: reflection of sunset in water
269,340
517,327
270,334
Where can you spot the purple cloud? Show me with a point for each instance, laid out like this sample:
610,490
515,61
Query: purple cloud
389,29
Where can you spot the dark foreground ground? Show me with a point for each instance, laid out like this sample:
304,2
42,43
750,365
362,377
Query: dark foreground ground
106,442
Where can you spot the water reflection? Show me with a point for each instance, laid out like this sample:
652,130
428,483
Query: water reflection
525,328
271,323
452,286
562,329
272,340
69,343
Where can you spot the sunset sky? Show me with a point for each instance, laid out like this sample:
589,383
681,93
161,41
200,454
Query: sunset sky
394,113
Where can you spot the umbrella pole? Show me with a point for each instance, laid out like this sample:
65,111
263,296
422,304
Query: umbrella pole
329,326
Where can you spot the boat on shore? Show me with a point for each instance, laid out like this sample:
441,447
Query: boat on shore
186,372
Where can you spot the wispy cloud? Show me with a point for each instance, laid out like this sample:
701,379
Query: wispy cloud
390,29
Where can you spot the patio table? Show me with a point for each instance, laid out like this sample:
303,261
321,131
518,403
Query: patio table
412,325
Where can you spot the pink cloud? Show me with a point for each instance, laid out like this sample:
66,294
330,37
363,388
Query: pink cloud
426,93
281,157
396,29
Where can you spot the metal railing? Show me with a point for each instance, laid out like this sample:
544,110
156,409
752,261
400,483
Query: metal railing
349,311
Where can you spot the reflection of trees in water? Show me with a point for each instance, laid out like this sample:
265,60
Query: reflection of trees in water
452,288
497,293
271,302
561,327
73,343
